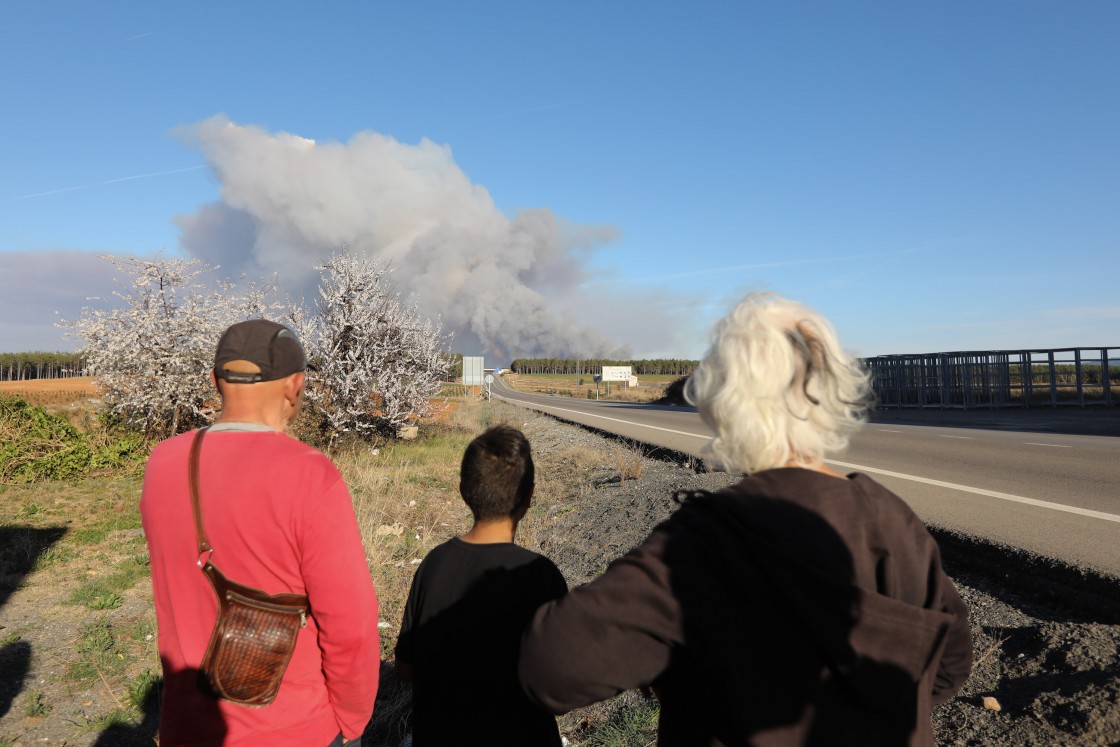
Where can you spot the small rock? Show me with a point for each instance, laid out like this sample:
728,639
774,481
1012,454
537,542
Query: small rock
992,704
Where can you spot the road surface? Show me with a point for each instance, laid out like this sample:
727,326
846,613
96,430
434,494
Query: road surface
1054,494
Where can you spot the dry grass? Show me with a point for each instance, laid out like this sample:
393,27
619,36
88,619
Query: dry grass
407,501
561,475
567,472
627,461
643,394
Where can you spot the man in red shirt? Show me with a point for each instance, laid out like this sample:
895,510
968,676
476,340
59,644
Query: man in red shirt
280,519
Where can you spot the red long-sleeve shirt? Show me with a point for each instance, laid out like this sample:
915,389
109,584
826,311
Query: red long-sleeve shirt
280,519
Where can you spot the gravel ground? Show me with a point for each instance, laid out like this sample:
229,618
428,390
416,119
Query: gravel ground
1047,636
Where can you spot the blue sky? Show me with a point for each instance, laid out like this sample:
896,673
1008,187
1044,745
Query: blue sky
933,177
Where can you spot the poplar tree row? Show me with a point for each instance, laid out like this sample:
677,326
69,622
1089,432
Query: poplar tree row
39,365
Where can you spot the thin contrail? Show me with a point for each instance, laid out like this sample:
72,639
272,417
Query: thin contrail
109,181
134,38
763,265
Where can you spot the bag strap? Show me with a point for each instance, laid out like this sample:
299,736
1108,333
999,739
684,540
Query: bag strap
200,532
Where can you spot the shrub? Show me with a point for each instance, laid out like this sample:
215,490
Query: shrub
152,352
376,362
36,445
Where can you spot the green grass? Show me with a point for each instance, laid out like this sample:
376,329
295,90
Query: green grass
30,509
109,601
115,717
104,593
81,671
89,535
52,556
96,639
141,687
143,629
633,725
98,653
33,705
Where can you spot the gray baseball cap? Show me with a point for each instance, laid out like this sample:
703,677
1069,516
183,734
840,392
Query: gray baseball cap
270,346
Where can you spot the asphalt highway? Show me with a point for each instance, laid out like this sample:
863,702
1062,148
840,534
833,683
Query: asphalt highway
1053,494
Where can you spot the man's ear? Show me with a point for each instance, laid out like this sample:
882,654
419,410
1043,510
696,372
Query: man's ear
293,385
214,380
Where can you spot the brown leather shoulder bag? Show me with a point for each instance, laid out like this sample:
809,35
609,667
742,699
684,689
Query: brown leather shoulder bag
255,633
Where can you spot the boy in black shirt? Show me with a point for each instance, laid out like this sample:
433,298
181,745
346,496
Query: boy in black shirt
470,601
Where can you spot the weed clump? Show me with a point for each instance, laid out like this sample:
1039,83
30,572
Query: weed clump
37,445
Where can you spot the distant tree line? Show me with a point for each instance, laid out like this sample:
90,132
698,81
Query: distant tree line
650,367
39,365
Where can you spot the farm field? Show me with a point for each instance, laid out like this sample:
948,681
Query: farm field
51,392
649,389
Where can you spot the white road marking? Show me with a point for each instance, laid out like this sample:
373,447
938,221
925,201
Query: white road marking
963,438
1056,446
604,417
861,468
886,430
982,491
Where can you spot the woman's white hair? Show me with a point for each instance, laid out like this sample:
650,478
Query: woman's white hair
776,387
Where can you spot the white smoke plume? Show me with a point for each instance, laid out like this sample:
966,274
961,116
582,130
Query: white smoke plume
498,282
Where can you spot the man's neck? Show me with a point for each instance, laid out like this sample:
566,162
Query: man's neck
491,532
254,416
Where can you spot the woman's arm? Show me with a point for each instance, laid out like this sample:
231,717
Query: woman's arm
611,635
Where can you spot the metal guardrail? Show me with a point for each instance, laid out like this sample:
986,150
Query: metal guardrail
1077,377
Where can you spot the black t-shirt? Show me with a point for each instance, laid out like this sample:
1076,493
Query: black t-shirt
466,611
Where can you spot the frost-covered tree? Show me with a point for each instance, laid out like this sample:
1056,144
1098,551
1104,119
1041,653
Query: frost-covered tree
152,355
376,362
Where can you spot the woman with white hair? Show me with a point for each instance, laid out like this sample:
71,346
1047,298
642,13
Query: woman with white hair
799,606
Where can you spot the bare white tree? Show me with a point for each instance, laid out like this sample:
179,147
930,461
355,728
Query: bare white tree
376,362
152,355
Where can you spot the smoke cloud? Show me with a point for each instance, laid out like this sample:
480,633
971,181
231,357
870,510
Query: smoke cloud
38,288
500,283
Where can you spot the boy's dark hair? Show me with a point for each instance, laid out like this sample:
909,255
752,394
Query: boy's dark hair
497,473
